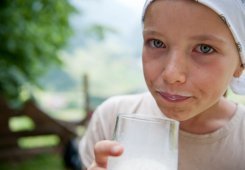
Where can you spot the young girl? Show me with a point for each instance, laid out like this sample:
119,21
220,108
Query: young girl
193,50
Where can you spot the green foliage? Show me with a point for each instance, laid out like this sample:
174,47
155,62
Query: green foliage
31,34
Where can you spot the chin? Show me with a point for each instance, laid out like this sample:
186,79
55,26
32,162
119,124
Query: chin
178,116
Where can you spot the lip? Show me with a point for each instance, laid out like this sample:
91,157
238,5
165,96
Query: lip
174,97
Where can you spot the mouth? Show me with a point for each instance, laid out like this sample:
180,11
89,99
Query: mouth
177,97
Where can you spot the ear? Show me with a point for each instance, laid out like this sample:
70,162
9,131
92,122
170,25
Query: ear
239,71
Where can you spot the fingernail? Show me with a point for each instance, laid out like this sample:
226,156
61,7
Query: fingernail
116,149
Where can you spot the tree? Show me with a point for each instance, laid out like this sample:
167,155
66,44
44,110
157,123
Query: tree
31,34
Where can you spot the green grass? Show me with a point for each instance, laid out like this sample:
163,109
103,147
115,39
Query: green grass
40,162
20,123
38,141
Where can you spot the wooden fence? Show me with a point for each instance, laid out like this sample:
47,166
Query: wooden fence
43,125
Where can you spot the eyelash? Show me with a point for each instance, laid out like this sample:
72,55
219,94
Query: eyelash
209,51
153,44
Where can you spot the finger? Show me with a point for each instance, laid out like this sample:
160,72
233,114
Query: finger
104,149
95,167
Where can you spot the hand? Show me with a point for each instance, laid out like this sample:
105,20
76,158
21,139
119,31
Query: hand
102,151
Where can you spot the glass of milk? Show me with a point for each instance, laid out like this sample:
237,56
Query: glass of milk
150,143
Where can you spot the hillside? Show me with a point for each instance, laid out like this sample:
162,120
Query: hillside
112,63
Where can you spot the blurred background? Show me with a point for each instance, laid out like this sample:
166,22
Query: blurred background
58,61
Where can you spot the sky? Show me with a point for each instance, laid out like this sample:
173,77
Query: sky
122,15
133,4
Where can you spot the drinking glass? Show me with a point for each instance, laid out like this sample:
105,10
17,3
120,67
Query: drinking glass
150,143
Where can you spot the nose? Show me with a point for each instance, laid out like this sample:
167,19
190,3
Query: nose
175,69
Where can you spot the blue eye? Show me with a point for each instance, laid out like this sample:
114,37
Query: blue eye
157,43
206,49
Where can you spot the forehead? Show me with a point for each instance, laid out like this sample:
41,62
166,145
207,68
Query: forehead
173,7
185,19
148,3
180,12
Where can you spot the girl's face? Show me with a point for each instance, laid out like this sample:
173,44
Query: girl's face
189,57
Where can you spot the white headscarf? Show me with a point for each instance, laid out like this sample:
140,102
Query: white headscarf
233,14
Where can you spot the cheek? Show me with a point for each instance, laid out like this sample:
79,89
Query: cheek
213,80
151,70
148,73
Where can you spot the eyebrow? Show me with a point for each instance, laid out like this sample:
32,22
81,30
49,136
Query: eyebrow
151,32
208,37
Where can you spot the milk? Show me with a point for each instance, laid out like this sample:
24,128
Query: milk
149,143
137,164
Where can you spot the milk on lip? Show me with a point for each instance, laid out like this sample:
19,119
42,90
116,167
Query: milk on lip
180,93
